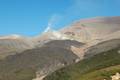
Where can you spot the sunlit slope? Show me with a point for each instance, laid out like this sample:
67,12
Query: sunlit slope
93,29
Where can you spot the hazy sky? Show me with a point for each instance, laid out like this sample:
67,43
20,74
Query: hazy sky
31,17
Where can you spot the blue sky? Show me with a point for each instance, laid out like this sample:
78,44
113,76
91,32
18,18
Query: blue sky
31,17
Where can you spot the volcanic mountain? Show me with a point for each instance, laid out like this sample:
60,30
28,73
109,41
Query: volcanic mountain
100,54
26,58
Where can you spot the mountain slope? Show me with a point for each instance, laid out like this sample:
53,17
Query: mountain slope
43,60
93,29
98,67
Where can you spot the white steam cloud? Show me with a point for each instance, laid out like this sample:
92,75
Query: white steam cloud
53,20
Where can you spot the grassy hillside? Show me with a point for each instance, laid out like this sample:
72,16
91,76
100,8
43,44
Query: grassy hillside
97,67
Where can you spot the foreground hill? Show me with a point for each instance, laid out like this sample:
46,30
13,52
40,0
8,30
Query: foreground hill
43,60
99,67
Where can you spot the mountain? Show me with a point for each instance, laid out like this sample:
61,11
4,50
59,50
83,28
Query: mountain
39,61
79,47
98,67
99,54
13,44
88,30
92,32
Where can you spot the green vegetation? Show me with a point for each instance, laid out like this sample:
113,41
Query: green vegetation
98,67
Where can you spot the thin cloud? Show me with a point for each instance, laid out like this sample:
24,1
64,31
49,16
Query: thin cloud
54,20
